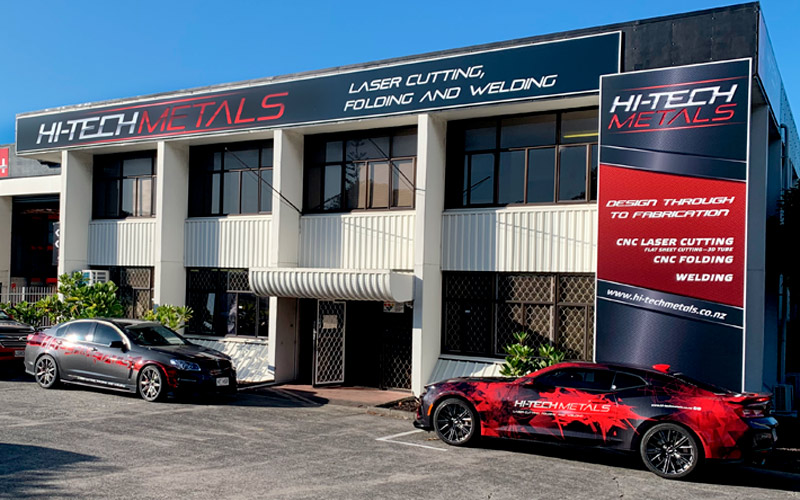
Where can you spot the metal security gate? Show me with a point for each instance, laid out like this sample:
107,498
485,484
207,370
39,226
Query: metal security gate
396,357
329,343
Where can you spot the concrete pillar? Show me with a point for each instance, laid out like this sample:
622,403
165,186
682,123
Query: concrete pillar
5,245
429,207
75,211
172,202
287,179
756,250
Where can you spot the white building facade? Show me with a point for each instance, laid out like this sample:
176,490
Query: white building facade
339,227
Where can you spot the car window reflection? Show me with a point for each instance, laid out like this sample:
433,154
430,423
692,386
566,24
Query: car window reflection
154,335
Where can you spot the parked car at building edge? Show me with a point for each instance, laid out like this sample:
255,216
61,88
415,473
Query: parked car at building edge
128,355
672,421
13,335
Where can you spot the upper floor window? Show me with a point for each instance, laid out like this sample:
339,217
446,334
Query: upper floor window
544,158
355,172
124,185
226,179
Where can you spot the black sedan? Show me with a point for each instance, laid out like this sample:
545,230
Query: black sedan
126,355
13,336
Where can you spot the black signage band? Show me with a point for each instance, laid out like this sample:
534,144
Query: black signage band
668,303
549,69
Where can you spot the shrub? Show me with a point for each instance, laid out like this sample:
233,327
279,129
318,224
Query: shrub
522,359
173,317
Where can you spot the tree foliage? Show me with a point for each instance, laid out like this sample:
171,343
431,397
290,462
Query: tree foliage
76,299
173,317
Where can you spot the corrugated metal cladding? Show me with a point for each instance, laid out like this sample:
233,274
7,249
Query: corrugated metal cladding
362,241
547,239
250,357
314,283
241,242
451,368
129,242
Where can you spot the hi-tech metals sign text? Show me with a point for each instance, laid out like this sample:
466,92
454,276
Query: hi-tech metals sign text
528,72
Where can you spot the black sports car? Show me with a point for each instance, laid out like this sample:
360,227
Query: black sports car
13,335
127,355
672,421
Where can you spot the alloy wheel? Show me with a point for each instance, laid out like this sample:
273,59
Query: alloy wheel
151,383
46,372
669,451
455,422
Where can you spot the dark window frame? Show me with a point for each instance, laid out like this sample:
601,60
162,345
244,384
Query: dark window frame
459,157
219,284
99,164
201,177
492,349
316,146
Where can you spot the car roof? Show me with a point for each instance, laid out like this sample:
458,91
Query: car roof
636,369
120,322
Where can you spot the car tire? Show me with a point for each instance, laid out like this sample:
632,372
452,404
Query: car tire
46,372
670,451
151,383
456,422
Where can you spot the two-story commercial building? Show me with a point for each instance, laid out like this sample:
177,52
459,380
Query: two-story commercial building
395,222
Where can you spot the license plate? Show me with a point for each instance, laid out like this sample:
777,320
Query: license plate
223,381
19,353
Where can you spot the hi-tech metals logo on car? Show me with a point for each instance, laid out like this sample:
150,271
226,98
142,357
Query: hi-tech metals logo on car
682,105
4,162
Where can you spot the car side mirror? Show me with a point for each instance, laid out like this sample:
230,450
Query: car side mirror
117,344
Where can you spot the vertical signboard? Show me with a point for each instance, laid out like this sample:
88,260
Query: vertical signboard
4,160
672,208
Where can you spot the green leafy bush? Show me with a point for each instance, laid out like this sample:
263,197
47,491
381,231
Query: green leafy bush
173,317
25,312
522,359
77,299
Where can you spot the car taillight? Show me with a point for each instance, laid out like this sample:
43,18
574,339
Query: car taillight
752,412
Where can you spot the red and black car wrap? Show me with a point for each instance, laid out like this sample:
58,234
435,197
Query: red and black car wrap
128,361
608,405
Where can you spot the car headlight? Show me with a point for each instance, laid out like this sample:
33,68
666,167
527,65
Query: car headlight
184,365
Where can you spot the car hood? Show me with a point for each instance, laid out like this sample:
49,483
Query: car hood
190,352
14,328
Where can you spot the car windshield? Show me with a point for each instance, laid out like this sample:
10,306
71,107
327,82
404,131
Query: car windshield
702,385
153,335
3,315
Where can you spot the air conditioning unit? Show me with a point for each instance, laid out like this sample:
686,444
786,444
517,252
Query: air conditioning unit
92,276
783,395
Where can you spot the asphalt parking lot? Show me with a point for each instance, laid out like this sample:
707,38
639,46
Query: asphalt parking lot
83,443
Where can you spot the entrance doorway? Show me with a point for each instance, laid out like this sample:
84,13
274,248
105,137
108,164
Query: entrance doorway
356,343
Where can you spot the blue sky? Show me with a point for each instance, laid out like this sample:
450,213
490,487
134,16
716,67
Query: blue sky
57,53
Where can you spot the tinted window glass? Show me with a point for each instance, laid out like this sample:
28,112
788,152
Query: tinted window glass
588,380
104,334
79,332
153,335
579,126
627,381
528,131
572,177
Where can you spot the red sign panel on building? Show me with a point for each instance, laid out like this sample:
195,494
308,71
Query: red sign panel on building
4,160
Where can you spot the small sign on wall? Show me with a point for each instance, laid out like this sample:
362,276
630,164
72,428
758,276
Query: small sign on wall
394,307
4,162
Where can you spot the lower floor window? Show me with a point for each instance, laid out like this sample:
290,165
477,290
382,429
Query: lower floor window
482,311
134,288
223,303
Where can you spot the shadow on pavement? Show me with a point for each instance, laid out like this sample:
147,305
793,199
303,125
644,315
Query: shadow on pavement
711,473
34,471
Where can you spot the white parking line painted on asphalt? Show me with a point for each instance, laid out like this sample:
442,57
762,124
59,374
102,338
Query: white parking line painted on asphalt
389,439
